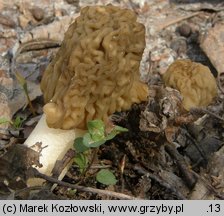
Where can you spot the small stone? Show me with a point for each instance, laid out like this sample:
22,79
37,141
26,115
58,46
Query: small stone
184,30
179,45
38,13
6,44
23,21
60,12
212,44
7,21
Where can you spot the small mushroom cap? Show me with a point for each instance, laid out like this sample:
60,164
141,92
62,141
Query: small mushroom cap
195,82
96,70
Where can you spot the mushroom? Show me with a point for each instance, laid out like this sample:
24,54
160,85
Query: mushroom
94,74
195,82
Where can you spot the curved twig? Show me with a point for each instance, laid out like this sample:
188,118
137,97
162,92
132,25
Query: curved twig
117,195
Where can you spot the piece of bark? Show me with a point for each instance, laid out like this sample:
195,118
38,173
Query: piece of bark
212,45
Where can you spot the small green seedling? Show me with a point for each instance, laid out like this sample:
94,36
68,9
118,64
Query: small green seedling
16,123
5,121
81,160
96,136
106,177
22,81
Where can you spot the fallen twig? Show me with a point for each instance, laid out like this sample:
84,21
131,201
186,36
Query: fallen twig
186,173
200,150
177,20
117,195
205,111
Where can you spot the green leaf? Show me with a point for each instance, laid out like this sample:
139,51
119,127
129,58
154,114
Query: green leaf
82,161
97,144
112,134
96,135
120,129
17,123
71,192
4,121
96,129
87,140
116,130
22,81
79,145
90,143
106,177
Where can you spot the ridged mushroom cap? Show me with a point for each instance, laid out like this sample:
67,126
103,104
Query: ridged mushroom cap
194,80
96,70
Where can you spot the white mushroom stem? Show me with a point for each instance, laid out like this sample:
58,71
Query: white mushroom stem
56,143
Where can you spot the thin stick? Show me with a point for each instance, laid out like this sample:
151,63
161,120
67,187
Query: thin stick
189,178
205,111
95,151
172,22
96,166
117,195
30,104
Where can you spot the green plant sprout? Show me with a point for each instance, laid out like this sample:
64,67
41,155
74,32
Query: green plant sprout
4,120
106,177
81,160
16,123
96,136
22,81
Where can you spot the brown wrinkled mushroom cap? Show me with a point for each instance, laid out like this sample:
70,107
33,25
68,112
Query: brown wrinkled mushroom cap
195,82
96,70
